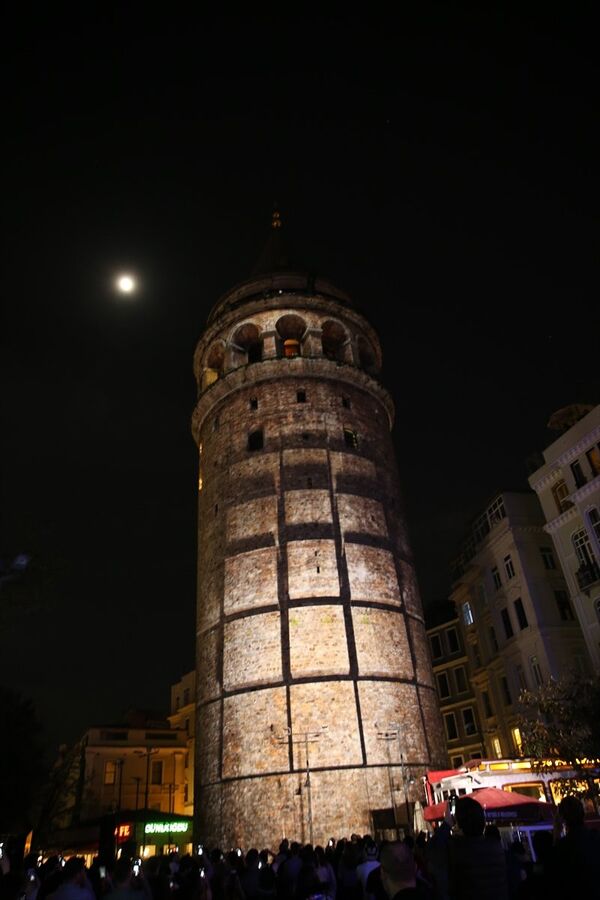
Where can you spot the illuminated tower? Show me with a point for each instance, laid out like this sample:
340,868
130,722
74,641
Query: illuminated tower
308,610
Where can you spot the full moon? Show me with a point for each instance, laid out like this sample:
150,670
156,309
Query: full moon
126,284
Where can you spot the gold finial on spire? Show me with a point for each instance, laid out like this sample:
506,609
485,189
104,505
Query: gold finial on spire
276,220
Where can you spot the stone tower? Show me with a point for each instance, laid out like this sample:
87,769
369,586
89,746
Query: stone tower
310,634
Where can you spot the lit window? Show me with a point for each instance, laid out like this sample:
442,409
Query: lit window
110,771
200,483
467,613
509,567
548,557
593,457
443,685
497,747
496,578
521,615
291,347
517,740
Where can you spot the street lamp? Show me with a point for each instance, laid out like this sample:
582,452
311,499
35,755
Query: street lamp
306,738
148,752
392,732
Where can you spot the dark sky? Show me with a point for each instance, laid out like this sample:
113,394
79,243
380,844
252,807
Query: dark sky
441,166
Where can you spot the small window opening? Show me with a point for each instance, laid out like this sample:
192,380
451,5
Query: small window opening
305,436
318,569
351,438
301,397
253,403
216,508
256,440
346,402
215,423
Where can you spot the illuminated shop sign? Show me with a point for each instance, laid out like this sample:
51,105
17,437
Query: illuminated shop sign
123,833
166,827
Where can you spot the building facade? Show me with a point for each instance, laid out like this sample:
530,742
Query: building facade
315,694
183,718
458,703
133,768
517,623
568,488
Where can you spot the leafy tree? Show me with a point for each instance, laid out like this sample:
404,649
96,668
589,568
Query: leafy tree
21,762
561,721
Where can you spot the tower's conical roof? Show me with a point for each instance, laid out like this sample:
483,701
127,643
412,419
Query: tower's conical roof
275,256
275,272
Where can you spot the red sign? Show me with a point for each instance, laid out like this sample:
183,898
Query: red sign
123,833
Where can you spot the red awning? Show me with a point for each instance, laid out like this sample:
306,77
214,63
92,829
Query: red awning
435,811
435,775
499,805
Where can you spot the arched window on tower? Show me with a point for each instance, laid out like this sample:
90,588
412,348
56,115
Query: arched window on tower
366,356
247,340
213,366
290,330
333,339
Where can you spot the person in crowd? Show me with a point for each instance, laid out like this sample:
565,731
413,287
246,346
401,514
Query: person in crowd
75,884
369,862
397,874
476,866
576,857
288,872
325,873
436,854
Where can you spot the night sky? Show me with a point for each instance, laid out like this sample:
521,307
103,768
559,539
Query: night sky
440,166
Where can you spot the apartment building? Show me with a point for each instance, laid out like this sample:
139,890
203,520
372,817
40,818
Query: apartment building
568,488
453,682
514,614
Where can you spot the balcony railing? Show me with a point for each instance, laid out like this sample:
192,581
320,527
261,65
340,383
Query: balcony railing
587,575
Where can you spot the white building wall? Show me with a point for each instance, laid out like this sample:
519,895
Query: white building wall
573,460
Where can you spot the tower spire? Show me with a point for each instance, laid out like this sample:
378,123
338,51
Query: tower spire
274,257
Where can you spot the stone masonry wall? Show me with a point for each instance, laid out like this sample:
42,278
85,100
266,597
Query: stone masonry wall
310,631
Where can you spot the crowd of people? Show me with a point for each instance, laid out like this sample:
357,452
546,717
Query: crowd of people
465,861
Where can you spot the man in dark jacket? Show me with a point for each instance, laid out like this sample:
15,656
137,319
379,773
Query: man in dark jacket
476,866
